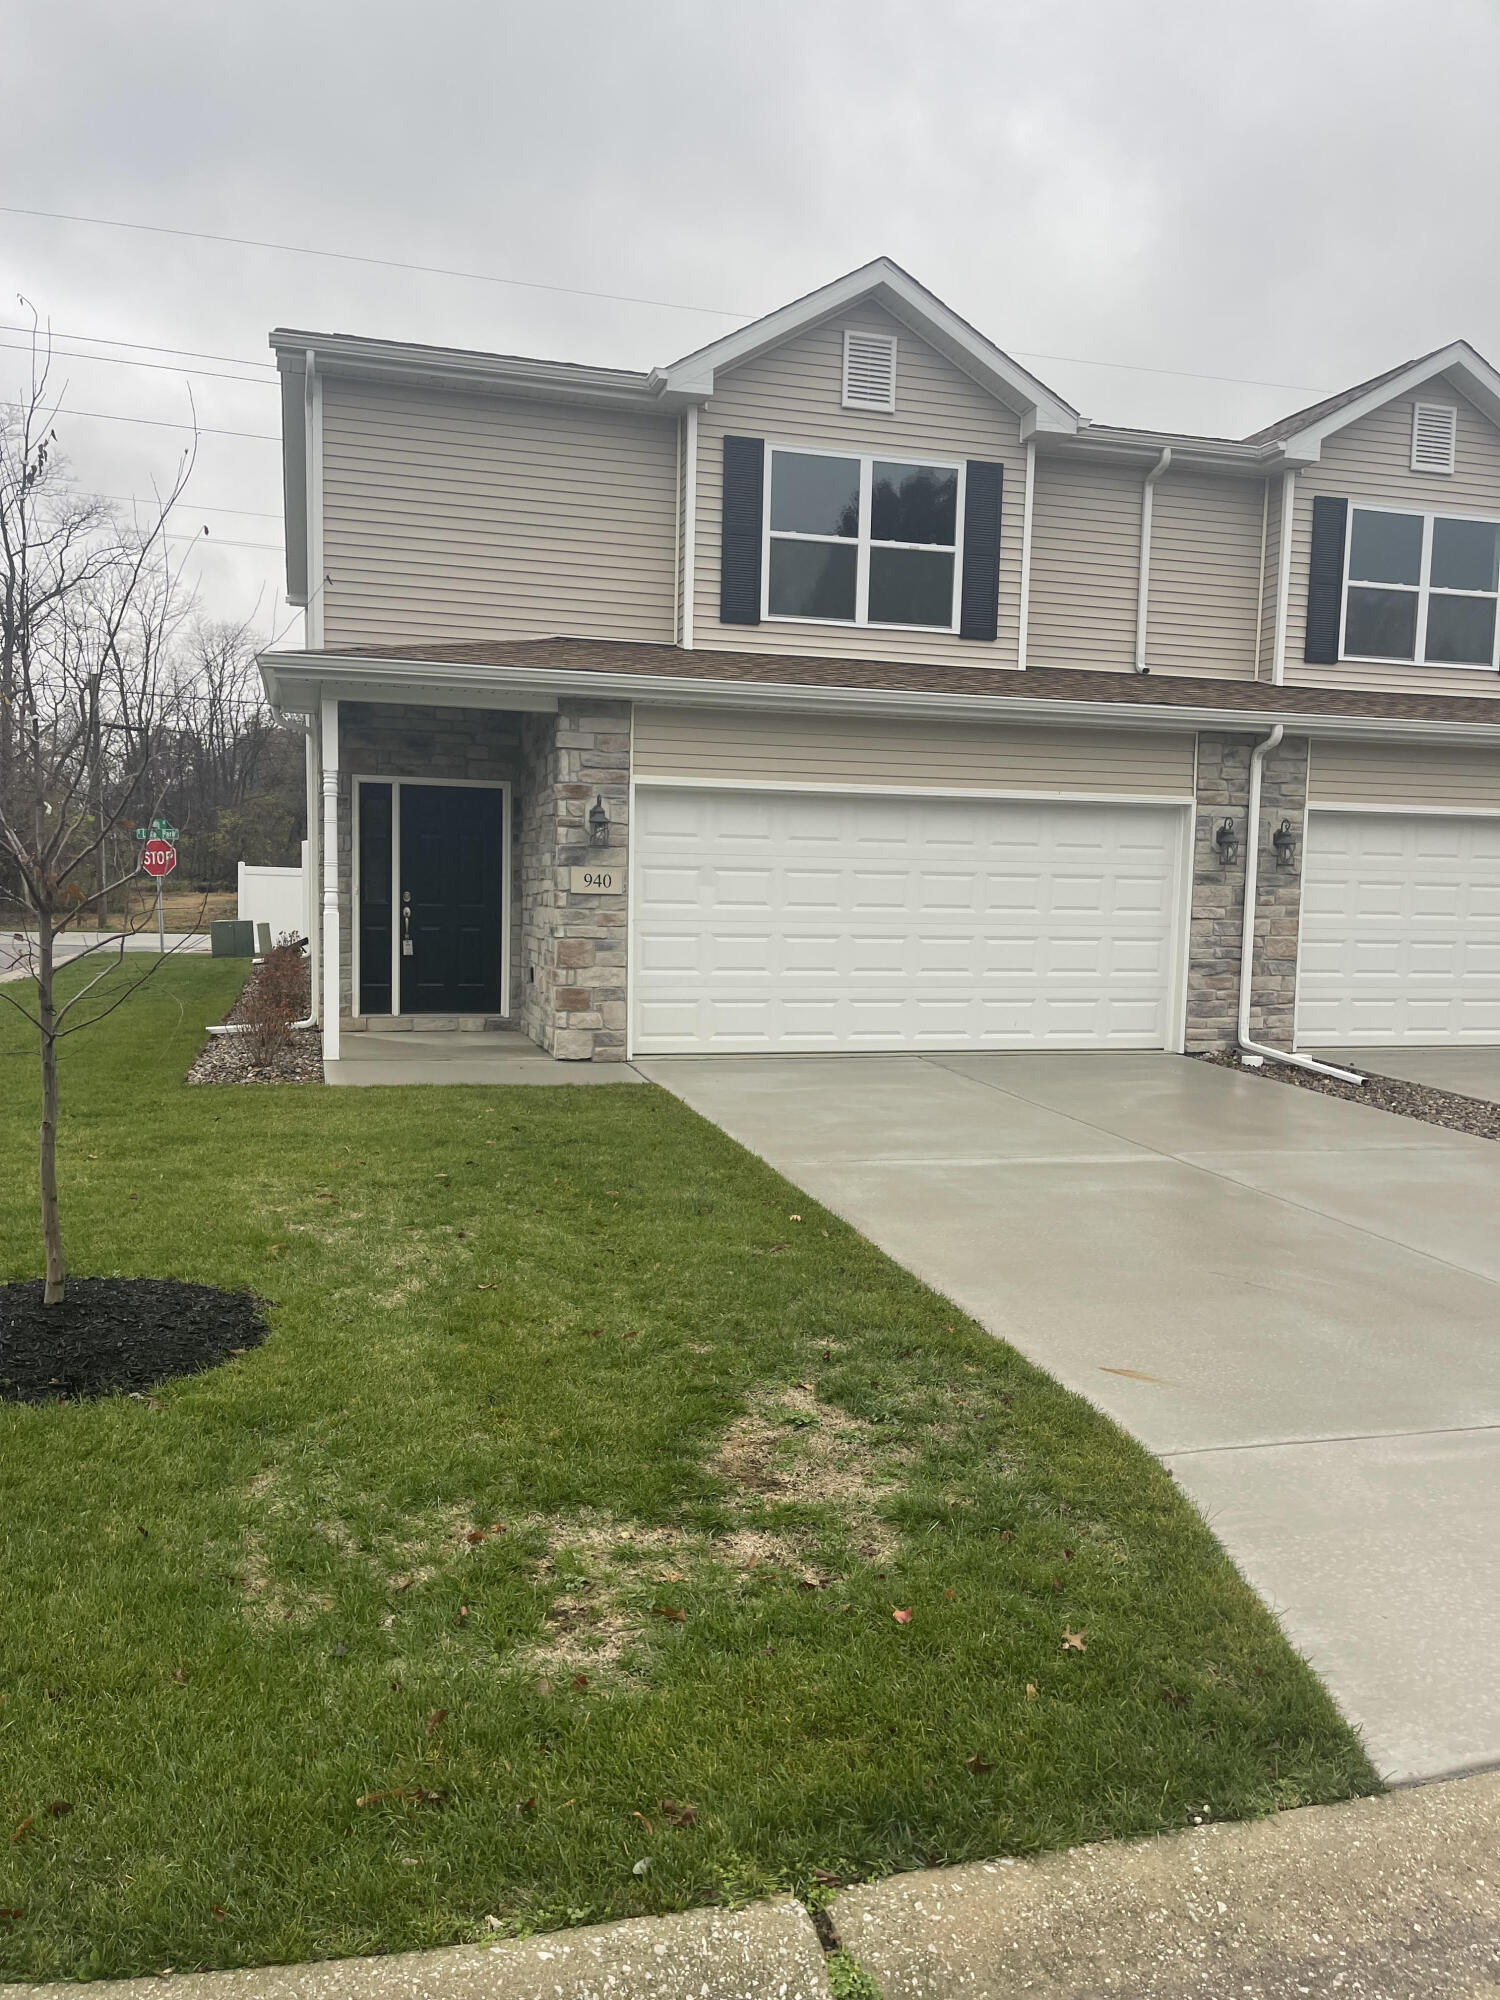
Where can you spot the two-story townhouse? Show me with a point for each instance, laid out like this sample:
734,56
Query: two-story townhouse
838,687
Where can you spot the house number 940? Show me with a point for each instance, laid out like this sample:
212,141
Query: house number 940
595,882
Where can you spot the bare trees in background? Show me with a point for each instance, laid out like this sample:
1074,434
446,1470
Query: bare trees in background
111,701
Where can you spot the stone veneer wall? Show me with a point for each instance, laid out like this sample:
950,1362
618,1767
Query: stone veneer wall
573,944
1219,893
397,740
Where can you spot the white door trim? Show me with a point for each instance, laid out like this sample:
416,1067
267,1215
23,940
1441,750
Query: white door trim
501,785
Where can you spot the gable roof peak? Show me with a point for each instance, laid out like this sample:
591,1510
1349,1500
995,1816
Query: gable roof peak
884,282
1302,434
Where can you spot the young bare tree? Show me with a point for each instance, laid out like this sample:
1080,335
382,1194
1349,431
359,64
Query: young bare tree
88,606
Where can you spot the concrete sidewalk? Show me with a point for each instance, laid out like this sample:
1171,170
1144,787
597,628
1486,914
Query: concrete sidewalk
1384,1899
450,1055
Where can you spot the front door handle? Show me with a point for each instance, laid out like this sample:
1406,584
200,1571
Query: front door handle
407,948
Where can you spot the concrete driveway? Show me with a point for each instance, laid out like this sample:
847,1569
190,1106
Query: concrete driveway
1294,1301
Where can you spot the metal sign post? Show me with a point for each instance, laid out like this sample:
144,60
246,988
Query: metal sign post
158,859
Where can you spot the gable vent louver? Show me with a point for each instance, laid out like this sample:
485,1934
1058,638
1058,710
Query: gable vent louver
1434,437
869,371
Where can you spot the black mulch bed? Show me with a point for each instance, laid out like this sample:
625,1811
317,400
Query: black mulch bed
117,1333
1475,1115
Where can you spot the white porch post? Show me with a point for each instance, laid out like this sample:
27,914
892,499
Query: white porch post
312,849
332,995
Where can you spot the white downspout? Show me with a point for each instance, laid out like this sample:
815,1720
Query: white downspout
690,526
312,425
1259,1052
1283,575
1028,505
1143,571
330,761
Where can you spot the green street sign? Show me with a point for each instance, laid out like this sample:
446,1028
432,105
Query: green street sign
159,829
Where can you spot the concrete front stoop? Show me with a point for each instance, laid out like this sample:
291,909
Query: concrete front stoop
1395,1898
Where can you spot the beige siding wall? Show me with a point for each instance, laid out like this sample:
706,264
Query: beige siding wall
757,748
1270,570
449,515
1205,575
1371,460
1085,545
791,396
1403,774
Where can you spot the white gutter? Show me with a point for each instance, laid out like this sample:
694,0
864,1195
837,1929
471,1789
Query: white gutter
1283,575
690,526
1023,616
1143,570
365,679
1259,1052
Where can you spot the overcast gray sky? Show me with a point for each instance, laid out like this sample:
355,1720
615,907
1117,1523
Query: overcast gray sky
1291,194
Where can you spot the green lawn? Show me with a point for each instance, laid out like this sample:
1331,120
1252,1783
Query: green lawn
262,1634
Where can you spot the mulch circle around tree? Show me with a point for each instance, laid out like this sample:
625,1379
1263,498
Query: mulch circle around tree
113,1334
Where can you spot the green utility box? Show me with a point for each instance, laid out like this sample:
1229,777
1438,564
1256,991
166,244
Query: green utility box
233,939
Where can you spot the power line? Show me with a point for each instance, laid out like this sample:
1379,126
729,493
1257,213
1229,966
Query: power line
139,500
384,263
127,361
144,346
220,542
160,423
1182,374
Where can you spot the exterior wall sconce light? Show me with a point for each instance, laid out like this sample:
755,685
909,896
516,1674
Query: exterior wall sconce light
598,824
1285,843
1228,844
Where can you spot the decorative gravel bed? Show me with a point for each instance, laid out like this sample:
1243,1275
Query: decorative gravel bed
275,1052
1387,1093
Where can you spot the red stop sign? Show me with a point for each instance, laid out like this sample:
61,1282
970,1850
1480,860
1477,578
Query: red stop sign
158,857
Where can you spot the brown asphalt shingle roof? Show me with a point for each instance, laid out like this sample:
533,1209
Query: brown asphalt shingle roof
1286,427
607,656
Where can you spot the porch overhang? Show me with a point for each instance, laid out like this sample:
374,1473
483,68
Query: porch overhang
296,682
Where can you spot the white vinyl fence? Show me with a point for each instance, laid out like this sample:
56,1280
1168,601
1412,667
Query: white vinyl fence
274,896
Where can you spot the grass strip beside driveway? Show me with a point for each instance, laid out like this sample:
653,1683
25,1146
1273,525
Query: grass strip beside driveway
544,1564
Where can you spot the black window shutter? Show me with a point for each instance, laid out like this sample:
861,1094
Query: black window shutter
979,591
1325,580
739,560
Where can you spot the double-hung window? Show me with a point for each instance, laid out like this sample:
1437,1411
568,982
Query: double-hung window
862,540
1421,587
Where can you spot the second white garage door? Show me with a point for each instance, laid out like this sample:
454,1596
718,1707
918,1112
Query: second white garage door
801,922
1400,930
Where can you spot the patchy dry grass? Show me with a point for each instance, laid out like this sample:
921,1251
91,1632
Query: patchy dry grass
571,1479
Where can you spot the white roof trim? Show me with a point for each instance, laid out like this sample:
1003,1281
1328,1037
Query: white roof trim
912,304
1460,364
296,681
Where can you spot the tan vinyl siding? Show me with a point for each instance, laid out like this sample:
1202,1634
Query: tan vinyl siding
1205,575
790,396
1371,460
450,515
1403,774
1085,547
727,745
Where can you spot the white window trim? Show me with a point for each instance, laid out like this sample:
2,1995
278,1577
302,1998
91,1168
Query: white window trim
1449,410
861,544
1422,590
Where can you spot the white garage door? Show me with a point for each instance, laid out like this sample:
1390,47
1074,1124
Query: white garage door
1400,930
796,921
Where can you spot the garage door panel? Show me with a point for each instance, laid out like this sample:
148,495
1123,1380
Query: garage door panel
881,924
1400,930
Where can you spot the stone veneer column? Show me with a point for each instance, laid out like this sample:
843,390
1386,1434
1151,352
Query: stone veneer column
1219,895
573,943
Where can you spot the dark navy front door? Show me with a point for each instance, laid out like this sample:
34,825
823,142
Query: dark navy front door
452,895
